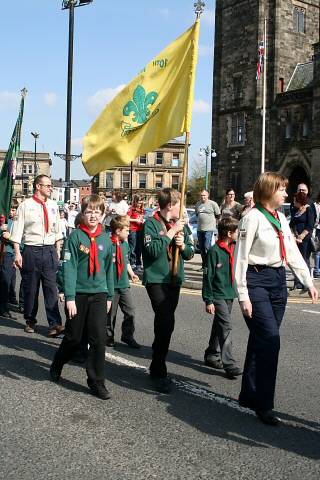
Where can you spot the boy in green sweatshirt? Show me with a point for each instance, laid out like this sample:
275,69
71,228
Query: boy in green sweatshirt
88,289
218,292
163,234
121,272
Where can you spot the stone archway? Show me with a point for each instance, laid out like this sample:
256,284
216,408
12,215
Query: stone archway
297,169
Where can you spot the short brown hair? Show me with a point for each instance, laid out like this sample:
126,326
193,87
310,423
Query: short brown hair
92,201
78,220
38,180
267,185
168,195
119,221
227,224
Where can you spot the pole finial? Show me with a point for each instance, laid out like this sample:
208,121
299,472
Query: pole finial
199,7
24,92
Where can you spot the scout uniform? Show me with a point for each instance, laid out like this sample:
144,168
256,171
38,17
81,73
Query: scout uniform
219,289
264,246
38,224
7,271
87,279
157,253
122,294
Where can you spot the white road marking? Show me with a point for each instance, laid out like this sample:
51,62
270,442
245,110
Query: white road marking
311,311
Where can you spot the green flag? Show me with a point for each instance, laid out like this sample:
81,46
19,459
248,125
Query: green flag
8,171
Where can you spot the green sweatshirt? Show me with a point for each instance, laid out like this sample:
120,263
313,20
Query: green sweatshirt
156,261
217,281
123,281
76,278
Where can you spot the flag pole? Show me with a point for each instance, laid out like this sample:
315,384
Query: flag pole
264,101
199,7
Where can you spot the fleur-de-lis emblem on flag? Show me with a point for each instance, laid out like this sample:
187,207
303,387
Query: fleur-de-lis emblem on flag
139,105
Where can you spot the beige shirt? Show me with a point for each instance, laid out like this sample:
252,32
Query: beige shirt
258,244
29,224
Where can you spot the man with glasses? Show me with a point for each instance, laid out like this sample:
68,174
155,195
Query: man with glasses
38,225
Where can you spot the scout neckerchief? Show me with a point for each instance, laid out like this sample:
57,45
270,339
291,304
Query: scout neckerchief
273,218
166,225
229,248
119,255
94,265
45,212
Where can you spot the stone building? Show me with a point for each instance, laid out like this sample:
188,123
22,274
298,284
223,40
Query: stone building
27,168
293,93
151,172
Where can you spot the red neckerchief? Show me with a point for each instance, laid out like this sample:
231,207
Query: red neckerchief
229,248
119,255
45,212
94,265
167,225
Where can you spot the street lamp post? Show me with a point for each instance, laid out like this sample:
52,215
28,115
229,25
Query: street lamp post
35,136
207,151
70,5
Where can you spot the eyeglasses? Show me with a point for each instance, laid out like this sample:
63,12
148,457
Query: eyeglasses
93,212
230,194
44,185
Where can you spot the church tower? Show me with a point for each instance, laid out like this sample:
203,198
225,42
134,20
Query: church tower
292,31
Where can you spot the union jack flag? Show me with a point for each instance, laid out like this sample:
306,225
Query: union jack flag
260,61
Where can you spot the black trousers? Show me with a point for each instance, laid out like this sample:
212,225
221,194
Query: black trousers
91,318
220,343
123,299
268,295
164,300
40,264
7,274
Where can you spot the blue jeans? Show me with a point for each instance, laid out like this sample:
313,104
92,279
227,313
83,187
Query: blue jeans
204,242
135,241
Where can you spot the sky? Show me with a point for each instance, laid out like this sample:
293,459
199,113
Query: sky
113,40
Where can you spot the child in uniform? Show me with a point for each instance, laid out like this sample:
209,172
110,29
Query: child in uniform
122,295
218,293
88,289
163,233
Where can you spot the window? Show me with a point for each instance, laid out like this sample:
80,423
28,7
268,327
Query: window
175,160
288,130
142,180
238,129
306,128
159,158
29,169
143,159
175,182
24,169
126,180
237,88
159,181
109,180
299,20
25,188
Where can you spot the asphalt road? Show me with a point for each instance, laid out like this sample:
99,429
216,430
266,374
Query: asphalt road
51,431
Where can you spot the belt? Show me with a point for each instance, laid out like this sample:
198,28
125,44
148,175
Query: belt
259,268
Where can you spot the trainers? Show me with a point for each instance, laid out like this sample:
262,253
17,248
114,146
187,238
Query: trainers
55,372
29,328
99,389
233,372
162,385
131,342
210,362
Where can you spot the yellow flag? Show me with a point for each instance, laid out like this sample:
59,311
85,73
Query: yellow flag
154,108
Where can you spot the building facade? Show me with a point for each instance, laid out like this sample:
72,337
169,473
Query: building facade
78,190
27,168
149,173
292,114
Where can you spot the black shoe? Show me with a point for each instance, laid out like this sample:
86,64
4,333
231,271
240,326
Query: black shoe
247,404
161,385
8,315
13,302
233,372
110,342
268,417
213,363
99,389
55,372
130,341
